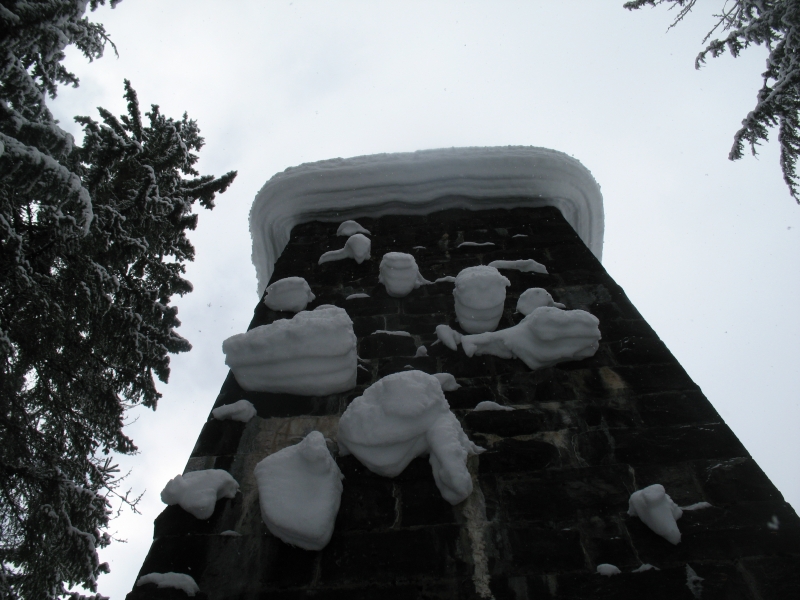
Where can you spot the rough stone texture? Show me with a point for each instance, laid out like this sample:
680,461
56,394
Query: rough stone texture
551,492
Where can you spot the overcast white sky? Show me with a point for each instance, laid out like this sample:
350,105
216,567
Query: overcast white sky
707,250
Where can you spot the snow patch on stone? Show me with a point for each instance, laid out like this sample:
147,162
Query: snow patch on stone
241,410
519,235
300,490
526,266
178,581
543,338
448,336
479,295
421,183
356,247
359,295
418,248
421,351
447,381
475,244
645,567
231,533
400,417
289,293
311,354
533,298
489,405
400,274
608,570
657,510
197,492
390,332
349,228
446,279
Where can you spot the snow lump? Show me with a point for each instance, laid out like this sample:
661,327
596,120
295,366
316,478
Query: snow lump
526,266
197,492
178,581
490,405
657,510
300,490
400,417
400,274
533,298
356,247
479,294
543,338
241,411
349,228
291,293
311,354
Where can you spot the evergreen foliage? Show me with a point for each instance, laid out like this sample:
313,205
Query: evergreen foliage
92,248
775,24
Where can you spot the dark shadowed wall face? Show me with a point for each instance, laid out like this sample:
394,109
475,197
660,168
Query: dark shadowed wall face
550,499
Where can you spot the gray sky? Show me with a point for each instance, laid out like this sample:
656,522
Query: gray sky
706,249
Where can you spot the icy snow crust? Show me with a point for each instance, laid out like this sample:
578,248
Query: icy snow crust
533,298
400,417
356,247
179,581
311,354
400,274
300,490
421,183
543,338
657,510
290,293
197,492
242,411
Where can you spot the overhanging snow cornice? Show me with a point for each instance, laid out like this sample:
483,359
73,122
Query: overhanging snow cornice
423,182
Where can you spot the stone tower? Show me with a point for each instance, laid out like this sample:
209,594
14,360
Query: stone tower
550,493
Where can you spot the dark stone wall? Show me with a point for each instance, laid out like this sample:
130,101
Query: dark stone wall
552,489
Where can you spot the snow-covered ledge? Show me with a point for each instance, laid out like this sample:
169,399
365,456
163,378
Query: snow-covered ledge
418,183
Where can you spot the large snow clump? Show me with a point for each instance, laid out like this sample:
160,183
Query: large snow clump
311,354
356,247
543,338
479,296
300,489
400,274
533,298
289,293
657,510
400,417
197,492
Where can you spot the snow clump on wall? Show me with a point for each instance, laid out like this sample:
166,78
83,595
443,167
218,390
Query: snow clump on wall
479,296
349,228
356,247
657,510
178,581
241,411
533,298
400,417
300,490
311,354
543,338
289,293
197,492
400,274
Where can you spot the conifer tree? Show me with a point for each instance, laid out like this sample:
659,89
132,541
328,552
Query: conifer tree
92,248
775,24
